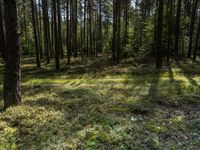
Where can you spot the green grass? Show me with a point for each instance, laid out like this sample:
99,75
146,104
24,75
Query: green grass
95,105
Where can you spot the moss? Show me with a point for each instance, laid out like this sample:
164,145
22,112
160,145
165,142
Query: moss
114,107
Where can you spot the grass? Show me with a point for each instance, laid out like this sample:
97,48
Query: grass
95,105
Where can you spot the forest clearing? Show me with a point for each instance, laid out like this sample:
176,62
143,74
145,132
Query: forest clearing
100,106
99,75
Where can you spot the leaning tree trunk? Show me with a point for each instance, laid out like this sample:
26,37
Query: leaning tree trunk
12,77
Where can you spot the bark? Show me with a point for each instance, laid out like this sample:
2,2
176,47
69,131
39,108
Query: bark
197,42
192,23
177,29
57,47
36,33
114,32
169,40
60,29
12,77
126,21
46,29
40,29
159,35
100,27
2,35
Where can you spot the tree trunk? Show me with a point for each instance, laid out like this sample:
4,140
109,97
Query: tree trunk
40,29
126,10
57,47
170,16
2,35
197,42
36,33
46,29
177,29
100,27
118,29
159,35
12,77
192,23
60,30
114,32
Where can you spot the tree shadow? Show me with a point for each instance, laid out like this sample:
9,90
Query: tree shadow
171,74
177,84
189,72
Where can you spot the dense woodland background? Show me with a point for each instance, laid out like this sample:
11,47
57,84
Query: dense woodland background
66,29
100,74
125,28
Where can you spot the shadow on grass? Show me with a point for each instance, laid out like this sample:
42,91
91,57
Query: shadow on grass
59,113
78,99
190,71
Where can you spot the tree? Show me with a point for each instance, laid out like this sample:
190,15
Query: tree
159,34
2,35
36,32
192,23
40,28
46,29
197,42
170,16
177,29
116,30
60,29
12,76
68,31
57,46
100,46
126,10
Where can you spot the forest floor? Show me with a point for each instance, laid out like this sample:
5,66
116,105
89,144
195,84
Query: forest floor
95,105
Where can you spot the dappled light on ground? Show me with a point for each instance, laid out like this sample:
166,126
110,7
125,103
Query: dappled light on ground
95,105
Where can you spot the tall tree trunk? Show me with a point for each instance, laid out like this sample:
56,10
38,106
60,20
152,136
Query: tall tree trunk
197,42
177,29
46,29
60,29
57,47
118,29
2,35
75,29
170,16
192,23
68,32
84,27
159,35
100,27
12,77
36,33
25,24
90,26
126,9
40,29
114,31
52,32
